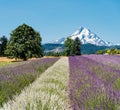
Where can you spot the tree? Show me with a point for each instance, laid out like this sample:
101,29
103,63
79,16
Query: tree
3,44
77,46
69,46
100,52
24,43
72,47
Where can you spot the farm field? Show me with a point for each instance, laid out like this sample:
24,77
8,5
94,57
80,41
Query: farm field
87,82
94,82
48,92
14,77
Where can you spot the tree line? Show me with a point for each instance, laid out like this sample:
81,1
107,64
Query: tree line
25,43
109,51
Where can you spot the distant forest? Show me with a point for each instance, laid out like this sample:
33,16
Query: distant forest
85,48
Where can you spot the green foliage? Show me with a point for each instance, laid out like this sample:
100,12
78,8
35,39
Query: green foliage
24,43
114,51
3,44
100,52
9,88
77,47
117,83
72,47
108,51
4,63
69,47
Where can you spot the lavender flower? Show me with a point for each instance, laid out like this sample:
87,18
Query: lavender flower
91,84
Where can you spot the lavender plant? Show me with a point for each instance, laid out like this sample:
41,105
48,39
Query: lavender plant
110,60
48,92
14,77
91,85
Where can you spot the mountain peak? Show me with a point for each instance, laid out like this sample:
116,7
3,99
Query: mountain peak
86,36
78,31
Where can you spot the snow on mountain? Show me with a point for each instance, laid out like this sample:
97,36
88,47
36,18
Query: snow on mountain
85,36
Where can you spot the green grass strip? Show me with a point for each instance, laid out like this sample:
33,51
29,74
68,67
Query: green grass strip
48,92
116,84
4,63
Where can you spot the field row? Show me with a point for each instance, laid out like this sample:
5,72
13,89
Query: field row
48,92
88,82
14,77
94,82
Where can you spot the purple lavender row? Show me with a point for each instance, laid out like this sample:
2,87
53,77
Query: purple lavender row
87,91
8,72
106,59
105,72
107,75
80,84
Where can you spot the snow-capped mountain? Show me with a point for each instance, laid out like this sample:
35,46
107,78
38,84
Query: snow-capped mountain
85,36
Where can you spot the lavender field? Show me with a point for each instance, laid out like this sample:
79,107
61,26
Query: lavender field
94,82
14,77
47,92
87,82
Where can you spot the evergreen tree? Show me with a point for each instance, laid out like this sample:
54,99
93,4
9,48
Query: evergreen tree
77,46
3,44
73,47
69,47
24,43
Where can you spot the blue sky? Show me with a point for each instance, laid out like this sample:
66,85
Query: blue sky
60,18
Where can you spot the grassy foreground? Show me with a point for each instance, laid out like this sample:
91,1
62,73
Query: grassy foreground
48,92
